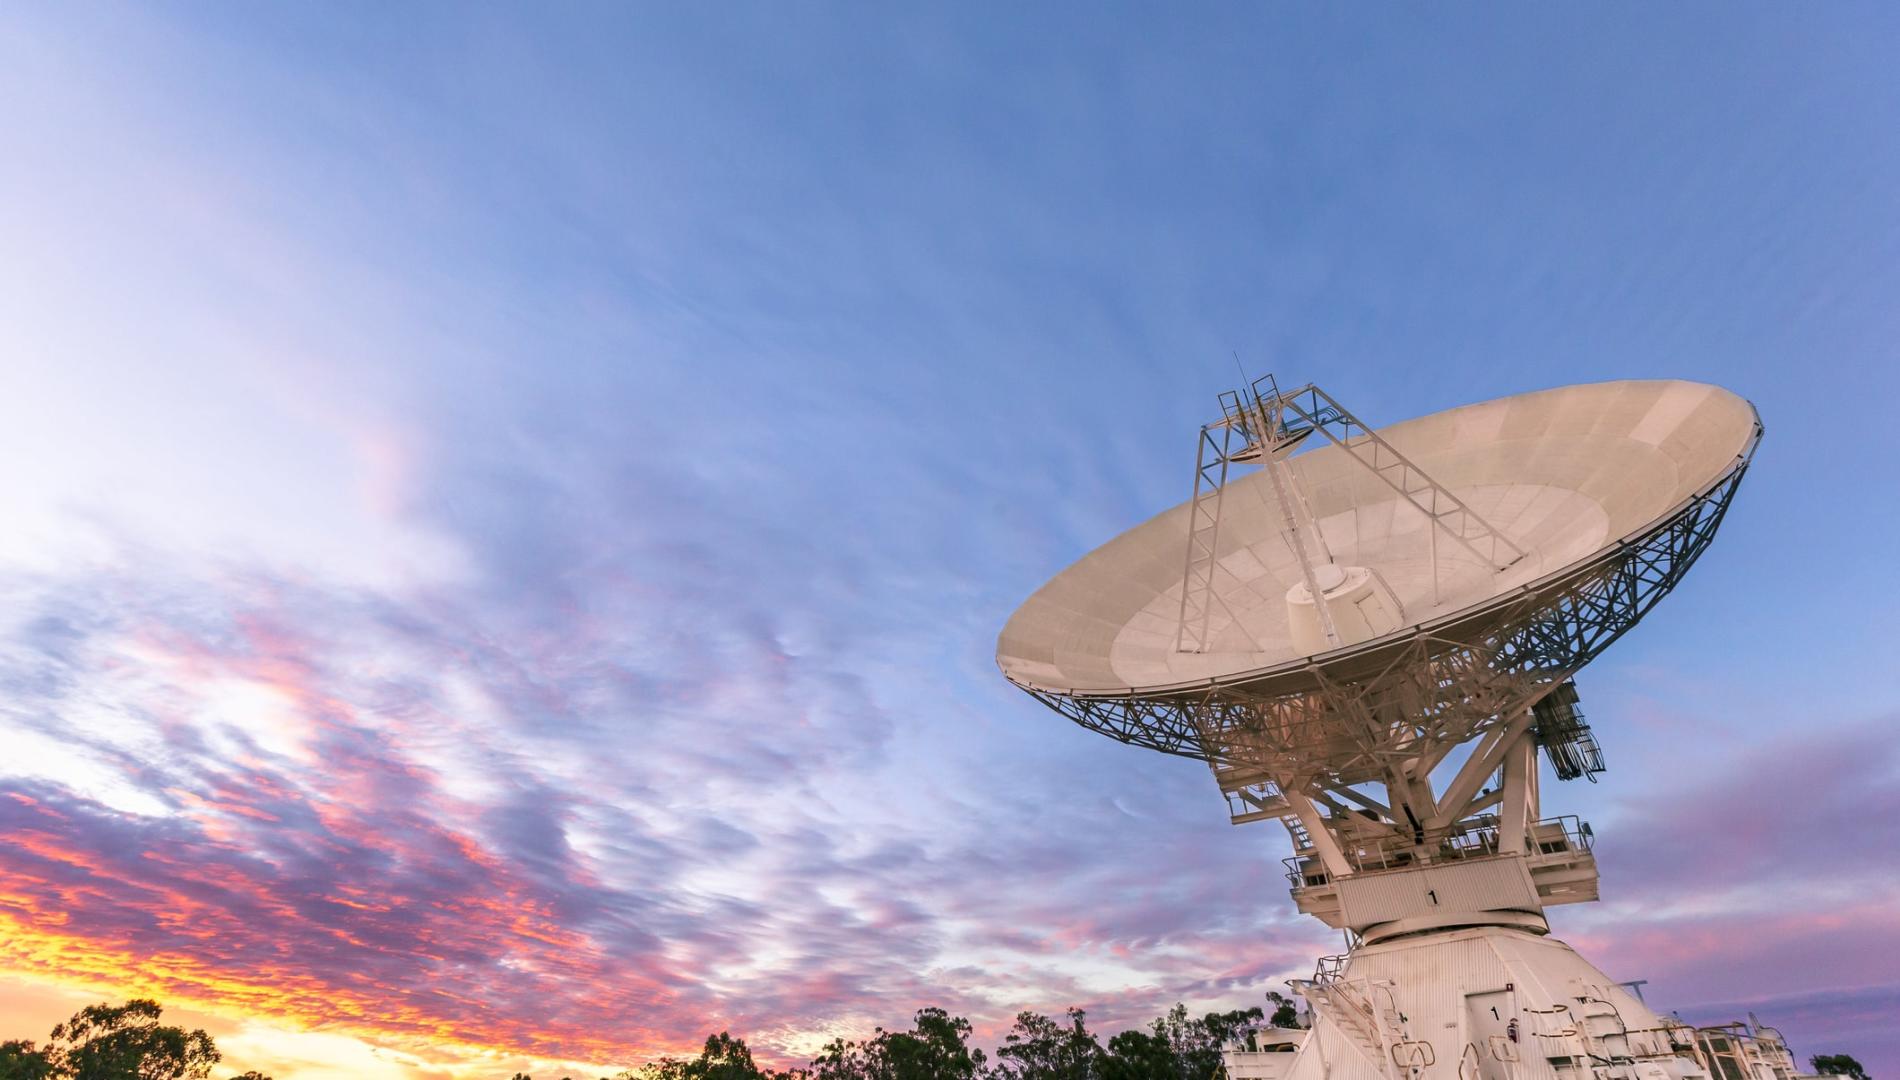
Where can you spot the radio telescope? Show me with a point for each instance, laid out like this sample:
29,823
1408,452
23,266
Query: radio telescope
1367,635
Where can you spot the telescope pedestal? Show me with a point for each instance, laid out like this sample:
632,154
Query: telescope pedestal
1482,1002
1479,1003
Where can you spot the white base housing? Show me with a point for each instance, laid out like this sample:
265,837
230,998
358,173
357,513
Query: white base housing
1482,1003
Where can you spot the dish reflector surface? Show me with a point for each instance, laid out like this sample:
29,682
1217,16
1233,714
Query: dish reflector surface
1564,474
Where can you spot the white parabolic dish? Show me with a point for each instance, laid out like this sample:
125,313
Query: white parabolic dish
1569,476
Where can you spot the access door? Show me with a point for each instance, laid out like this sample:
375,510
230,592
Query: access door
1488,1027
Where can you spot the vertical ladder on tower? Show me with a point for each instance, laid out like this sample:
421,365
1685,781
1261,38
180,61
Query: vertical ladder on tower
1198,598
1302,840
1250,431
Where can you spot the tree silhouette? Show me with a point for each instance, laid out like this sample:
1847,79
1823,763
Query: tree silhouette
126,1042
1838,1065
1039,1048
1198,1043
19,1061
936,1049
724,1057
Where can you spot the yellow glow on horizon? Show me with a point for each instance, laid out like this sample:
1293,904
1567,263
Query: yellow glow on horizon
277,1028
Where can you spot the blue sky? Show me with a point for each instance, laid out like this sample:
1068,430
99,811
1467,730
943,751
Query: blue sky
618,432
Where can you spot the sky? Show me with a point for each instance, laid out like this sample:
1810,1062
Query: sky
508,508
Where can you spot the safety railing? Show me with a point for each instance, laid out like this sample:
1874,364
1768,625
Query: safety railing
1662,1042
1467,840
1329,968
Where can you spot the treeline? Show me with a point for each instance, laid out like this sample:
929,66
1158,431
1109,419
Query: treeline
127,1042
937,1047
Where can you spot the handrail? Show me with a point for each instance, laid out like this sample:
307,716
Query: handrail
1473,839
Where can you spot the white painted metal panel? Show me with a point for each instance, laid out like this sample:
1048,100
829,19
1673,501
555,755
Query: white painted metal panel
1493,884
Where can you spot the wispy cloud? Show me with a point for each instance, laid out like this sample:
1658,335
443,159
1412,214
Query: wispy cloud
462,820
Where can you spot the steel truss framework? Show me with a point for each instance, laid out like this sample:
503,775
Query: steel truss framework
1310,408
1398,706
